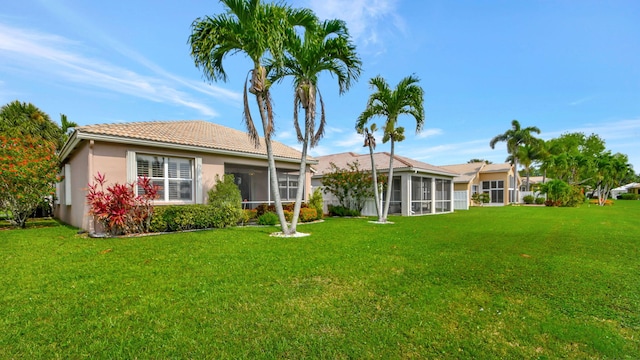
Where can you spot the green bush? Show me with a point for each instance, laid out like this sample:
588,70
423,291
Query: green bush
339,210
528,199
308,214
196,216
316,202
539,200
268,218
628,196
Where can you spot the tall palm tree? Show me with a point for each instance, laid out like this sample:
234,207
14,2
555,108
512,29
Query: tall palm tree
406,99
528,154
325,47
67,127
515,137
260,32
370,142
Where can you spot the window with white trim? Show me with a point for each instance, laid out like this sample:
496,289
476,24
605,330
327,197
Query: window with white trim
172,176
495,189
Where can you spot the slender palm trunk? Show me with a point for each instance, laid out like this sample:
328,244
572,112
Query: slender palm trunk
302,174
515,179
528,185
273,174
374,173
385,212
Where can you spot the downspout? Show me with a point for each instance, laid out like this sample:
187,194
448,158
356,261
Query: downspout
90,220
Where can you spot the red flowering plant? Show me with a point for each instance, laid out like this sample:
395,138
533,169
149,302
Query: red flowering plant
118,208
28,174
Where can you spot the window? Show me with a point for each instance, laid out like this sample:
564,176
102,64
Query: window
288,185
495,189
172,176
474,189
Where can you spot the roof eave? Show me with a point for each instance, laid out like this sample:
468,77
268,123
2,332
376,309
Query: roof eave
77,136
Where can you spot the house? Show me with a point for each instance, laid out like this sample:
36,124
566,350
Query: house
418,188
633,188
183,158
534,182
497,180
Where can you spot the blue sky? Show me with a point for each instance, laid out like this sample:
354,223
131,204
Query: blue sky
563,66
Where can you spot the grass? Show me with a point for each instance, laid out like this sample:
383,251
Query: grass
508,282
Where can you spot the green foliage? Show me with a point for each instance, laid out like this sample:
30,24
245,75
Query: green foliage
351,185
316,202
339,210
28,174
225,191
628,196
18,119
194,216
528,199
268,218
539,200
559,193
480,198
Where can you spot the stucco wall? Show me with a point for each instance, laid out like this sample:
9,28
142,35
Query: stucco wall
110,159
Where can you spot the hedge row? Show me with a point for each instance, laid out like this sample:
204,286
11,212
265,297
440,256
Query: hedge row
189,217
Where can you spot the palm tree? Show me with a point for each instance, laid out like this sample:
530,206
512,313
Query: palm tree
259,31
325,47
370,142
407,98
67,127
515,137
529,154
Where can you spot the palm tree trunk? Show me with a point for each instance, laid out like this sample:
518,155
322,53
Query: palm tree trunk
273,174
385,212
301,175
374,173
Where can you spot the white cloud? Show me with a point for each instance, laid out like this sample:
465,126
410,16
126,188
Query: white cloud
429,133
364,18
580,101
60,58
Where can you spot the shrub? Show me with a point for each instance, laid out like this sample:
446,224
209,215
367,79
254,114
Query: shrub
265,208
308,214
339,210
628,196
118,208
268,218
191,217
225,191
607,202
316,202
529,199
248,215
539,200
480,198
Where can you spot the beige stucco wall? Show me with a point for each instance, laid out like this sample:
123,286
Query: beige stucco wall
110,159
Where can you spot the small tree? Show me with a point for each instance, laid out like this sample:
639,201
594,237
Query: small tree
28,174
316,202
351,185
226,195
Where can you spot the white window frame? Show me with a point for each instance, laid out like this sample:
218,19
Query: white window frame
195,178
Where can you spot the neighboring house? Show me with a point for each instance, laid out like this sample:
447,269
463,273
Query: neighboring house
534,182
182,158
418,188
633,188
497,180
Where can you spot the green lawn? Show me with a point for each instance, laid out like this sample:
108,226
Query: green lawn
509,282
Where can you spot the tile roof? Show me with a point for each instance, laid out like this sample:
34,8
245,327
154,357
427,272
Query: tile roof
380,158
467,171
196,133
